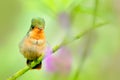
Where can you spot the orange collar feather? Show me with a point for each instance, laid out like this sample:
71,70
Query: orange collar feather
37,33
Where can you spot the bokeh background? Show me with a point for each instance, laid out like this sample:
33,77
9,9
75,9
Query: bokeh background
95,56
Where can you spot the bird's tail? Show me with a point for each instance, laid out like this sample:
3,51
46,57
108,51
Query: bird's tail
38,66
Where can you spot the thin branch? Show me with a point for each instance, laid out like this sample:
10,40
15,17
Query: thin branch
25,69
64,42
34,63
19,73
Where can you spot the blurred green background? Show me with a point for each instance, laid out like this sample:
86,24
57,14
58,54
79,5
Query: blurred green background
102,61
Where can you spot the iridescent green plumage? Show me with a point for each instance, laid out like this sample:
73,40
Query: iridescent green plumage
39,22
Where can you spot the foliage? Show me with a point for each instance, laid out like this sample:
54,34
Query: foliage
79,25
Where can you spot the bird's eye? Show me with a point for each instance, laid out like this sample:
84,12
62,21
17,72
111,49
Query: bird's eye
32,27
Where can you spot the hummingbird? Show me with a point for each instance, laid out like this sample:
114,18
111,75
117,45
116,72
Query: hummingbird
33,45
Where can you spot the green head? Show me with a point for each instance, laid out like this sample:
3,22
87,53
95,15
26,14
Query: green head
39,22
